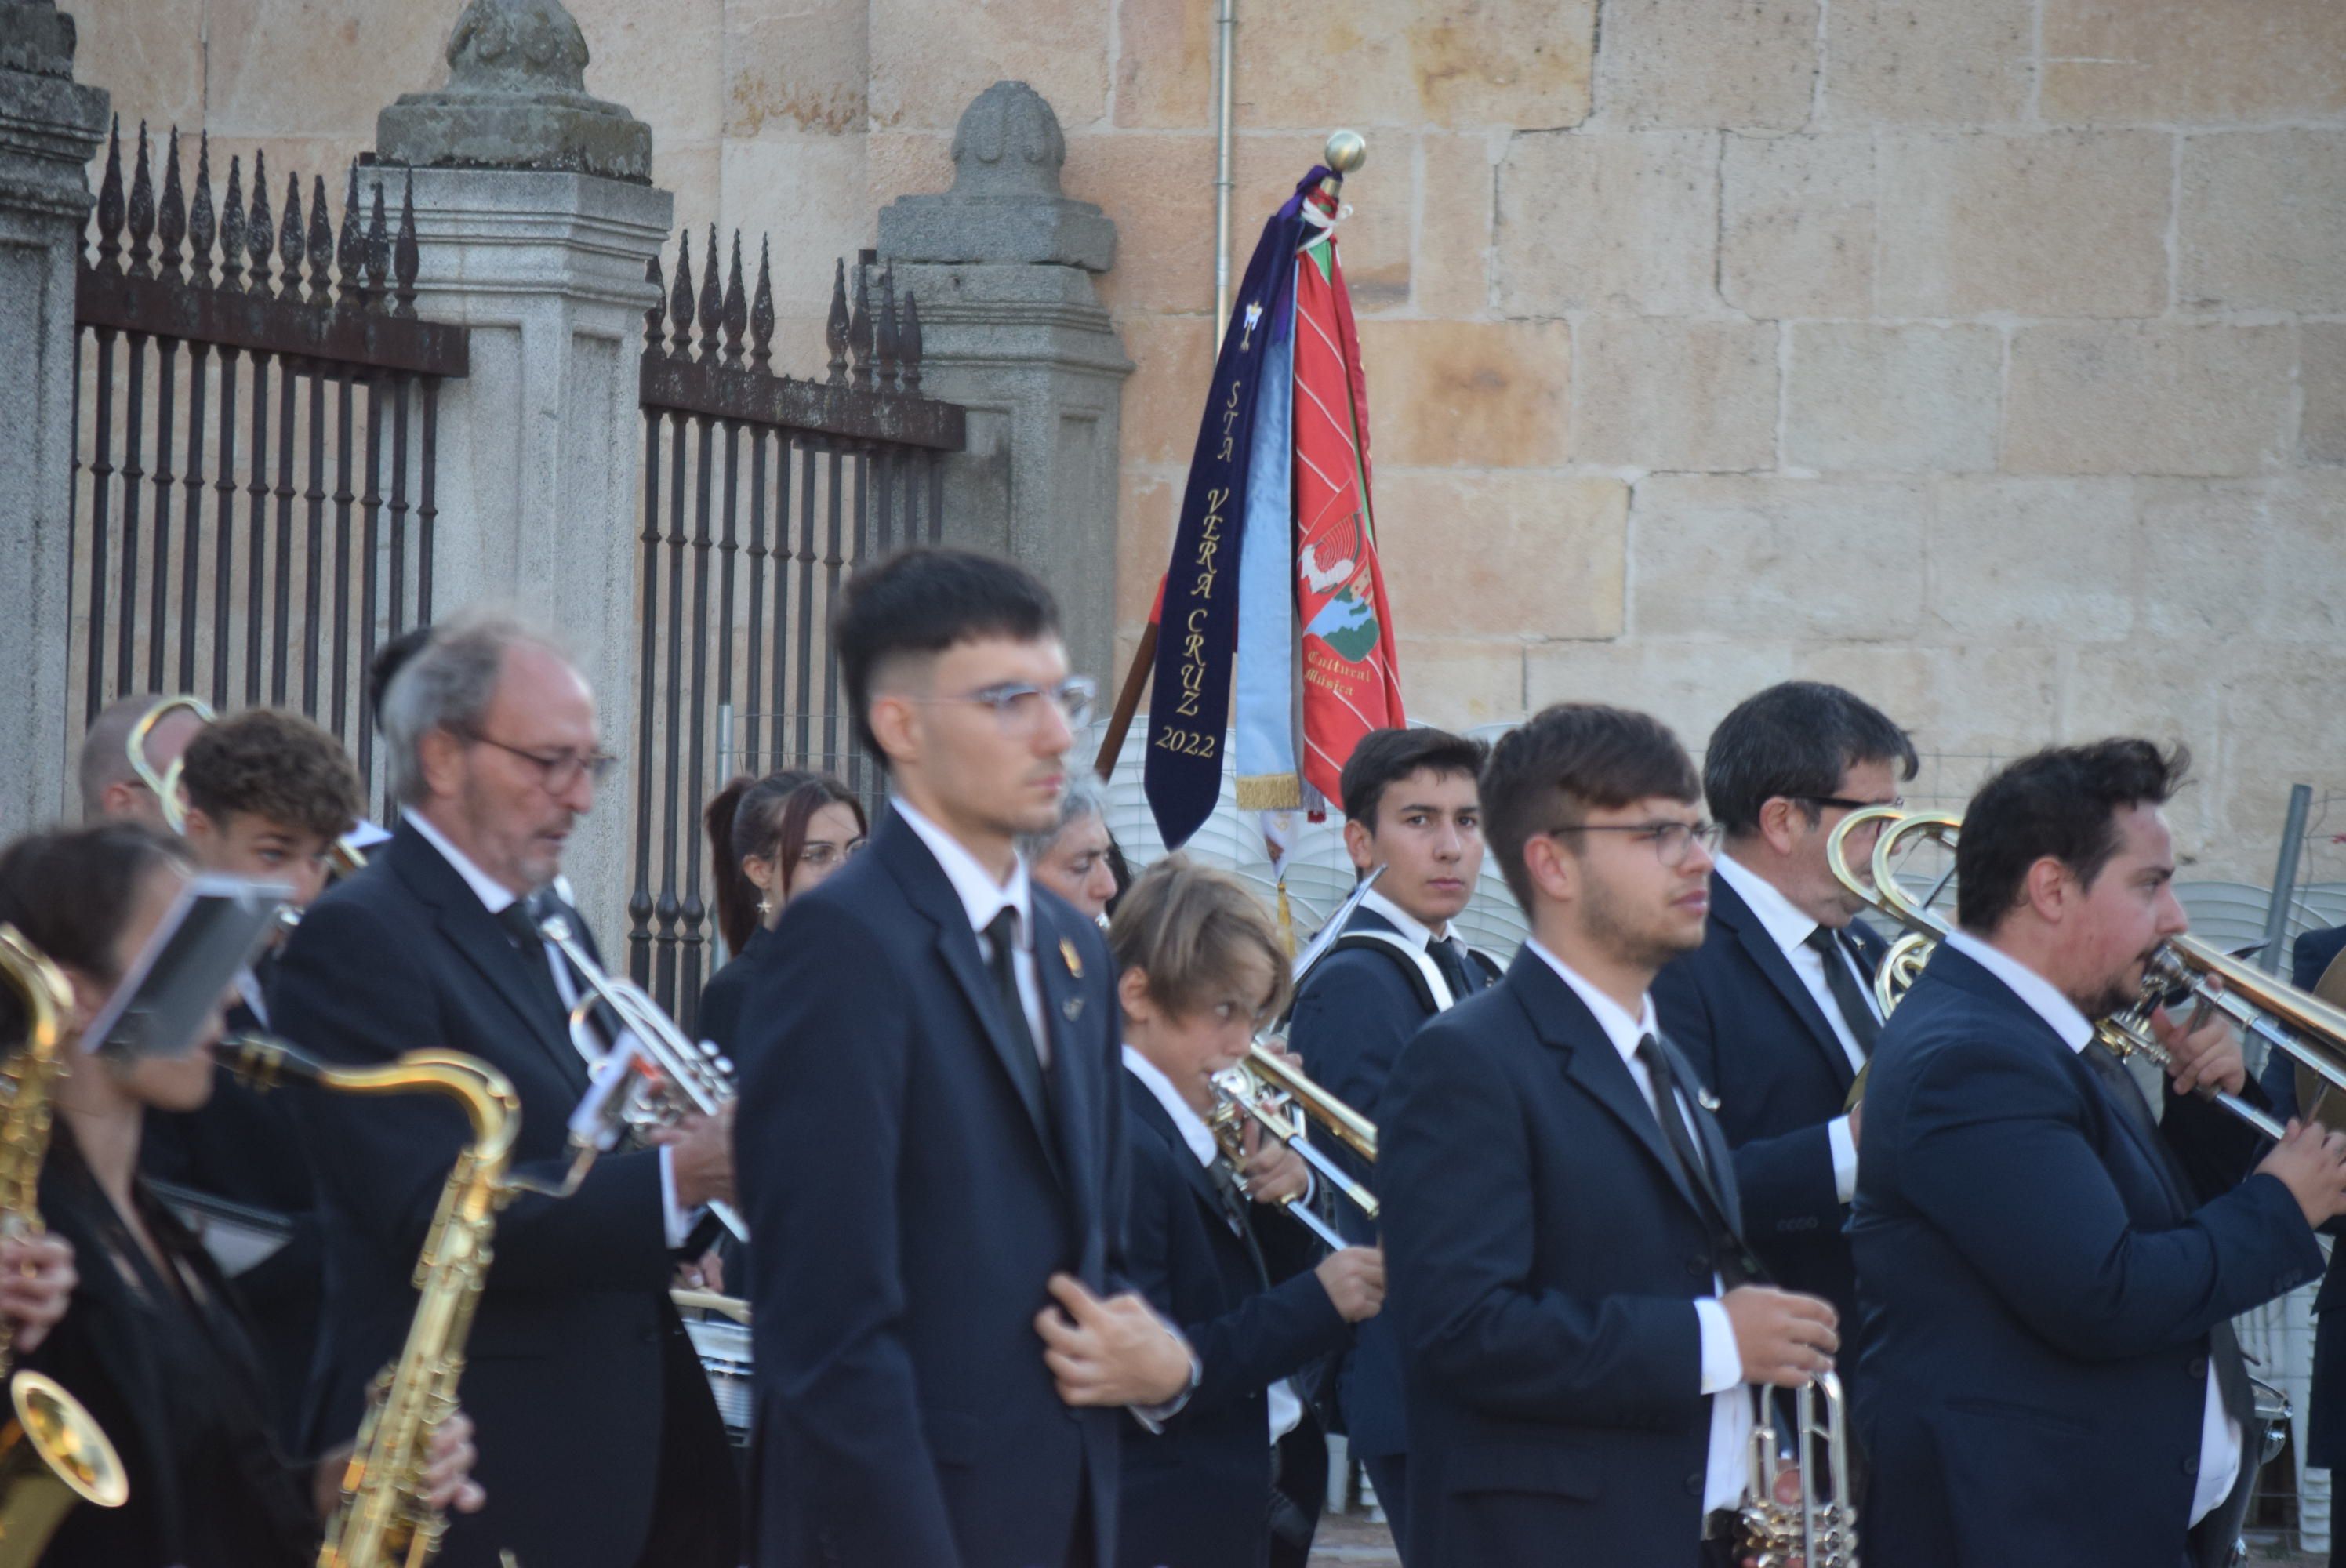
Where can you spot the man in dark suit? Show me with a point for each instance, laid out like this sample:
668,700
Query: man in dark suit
932,1126
268,794
2312,958
1775,1011
600,1444
1578,1318
1199,967
1411,807
2048,1272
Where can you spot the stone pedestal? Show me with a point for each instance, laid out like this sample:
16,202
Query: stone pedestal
49,127
539,477
1012,329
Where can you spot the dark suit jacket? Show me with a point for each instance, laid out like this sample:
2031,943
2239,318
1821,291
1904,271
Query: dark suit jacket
1197,1496
1544,1258
1351,1018
576,1355
1737,1010
909,1201
721,999
2325,1443
2037,1290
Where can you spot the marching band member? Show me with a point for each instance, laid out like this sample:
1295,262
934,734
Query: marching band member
2048,1274
938,1121
1775,1011
267,793
110,786
771,838
1199,968
153,1343
1075,857
1411,807
1576,1315
603,1445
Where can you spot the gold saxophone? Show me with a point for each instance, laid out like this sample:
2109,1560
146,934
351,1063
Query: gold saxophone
386,1516
53,1453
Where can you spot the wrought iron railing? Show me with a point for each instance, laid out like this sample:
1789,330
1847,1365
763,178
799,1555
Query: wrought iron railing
761,494
179,301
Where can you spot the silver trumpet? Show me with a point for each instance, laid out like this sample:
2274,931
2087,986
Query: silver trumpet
669,1077
1817,1531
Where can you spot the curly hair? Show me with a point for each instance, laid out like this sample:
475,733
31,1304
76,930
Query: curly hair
277,766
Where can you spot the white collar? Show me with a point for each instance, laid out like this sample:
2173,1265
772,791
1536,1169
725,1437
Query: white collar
1623,1030
2042,997
1778,915
1416,930
492,893
1185,1120
982,898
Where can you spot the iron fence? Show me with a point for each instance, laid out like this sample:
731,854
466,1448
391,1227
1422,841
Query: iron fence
288,359
763,494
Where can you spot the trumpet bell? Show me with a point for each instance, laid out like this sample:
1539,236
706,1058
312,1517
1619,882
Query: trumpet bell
53,1455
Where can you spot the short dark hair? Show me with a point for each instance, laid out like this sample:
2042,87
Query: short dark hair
767,818
1383,757
68,891
1570,759
2062,801
274,765
924,601
1795,739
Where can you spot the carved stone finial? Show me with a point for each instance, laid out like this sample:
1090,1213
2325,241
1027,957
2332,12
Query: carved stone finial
35,37
1005,204
516,98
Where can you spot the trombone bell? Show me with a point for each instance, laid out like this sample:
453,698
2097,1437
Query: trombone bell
52,1456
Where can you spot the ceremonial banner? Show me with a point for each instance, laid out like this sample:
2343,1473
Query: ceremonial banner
1275,535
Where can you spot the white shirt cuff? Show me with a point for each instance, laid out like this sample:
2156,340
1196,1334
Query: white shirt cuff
1152,1417
678,1222
1844,1157
1723,1363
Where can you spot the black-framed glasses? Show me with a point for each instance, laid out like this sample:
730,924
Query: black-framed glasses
1671,841
1846,804
558,770
1018,706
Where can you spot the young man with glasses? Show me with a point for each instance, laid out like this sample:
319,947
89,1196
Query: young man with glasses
933,1121
1577,1310
599,1439
1776,1008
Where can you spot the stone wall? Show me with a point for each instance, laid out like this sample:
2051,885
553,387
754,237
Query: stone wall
1989,357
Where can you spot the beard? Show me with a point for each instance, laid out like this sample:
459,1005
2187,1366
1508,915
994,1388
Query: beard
1645,938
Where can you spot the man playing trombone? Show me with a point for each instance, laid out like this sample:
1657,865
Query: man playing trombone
2047,1272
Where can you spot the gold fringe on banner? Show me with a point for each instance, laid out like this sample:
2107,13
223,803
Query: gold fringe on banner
1270,792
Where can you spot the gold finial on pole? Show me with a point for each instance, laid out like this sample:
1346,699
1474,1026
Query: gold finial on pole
1346,151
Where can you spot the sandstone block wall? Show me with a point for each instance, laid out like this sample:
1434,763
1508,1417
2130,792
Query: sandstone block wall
1989,357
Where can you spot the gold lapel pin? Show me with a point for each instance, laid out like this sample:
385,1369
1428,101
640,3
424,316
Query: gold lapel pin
1068,955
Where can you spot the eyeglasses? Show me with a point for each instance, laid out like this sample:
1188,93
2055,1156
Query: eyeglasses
558,770
820,855
1671,841
1846,804
1018,708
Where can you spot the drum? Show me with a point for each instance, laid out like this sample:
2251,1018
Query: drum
724,1351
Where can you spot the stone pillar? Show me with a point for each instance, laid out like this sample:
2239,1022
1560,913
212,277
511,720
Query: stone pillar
1011,328
49,127
535,216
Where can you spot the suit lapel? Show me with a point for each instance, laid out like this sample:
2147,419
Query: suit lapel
1564,1023
930,891
1144,1100
1076,1063
1732,912
482,943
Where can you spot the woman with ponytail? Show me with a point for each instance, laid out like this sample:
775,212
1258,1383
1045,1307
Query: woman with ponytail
772,839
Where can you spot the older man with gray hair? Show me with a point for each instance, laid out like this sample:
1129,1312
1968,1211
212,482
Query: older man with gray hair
1077,858
600,1444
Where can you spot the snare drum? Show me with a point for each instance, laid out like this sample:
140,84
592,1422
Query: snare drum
724,1351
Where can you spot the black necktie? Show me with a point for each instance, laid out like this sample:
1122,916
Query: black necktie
1001,937
1449,955
1856,1011
1234,1210
520,919
2223,1345
1733,1262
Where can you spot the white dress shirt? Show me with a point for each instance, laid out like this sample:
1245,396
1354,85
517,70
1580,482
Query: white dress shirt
1285,1409
1407,924
1791,931
983,898
677,1222
2219,1434
1728,1469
